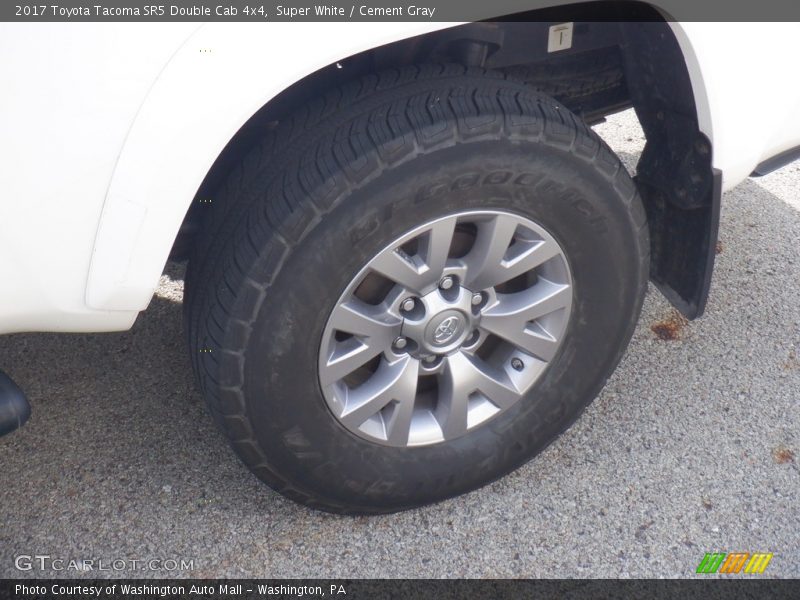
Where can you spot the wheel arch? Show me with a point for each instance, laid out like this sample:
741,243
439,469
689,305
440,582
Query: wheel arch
187,132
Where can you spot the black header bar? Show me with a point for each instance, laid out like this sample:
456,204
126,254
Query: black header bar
393,10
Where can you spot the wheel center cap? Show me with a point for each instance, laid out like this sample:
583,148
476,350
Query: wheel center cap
445,327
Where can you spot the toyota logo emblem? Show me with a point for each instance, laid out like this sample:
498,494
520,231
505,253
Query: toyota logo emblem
446,330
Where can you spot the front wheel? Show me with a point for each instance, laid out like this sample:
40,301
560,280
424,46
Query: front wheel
416,284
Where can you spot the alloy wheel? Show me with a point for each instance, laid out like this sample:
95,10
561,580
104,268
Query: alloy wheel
445,328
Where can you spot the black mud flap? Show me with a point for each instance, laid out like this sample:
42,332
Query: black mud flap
683,245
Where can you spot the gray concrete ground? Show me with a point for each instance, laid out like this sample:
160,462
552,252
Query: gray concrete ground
691,448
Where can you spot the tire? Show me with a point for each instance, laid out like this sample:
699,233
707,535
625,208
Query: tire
328,190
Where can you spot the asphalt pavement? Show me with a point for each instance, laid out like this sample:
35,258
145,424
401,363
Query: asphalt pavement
692,447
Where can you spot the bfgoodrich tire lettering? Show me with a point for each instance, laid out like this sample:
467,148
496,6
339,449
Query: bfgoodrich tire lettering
331,187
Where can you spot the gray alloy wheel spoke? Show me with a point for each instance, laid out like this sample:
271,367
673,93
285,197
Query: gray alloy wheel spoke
530,256
343,363
459,333
399,423
392,383
398,268
510,318
418,273
484,268
437,245
465,375
493,260
364,320
373,329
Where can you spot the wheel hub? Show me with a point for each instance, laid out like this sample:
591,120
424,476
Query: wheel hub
445,319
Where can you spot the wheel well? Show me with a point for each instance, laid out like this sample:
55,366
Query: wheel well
623,54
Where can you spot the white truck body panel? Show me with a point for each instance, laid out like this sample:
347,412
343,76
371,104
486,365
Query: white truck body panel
107,131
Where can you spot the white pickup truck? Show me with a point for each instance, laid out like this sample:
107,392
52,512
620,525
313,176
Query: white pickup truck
411,261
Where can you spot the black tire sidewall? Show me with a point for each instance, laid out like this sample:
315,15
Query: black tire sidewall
566,195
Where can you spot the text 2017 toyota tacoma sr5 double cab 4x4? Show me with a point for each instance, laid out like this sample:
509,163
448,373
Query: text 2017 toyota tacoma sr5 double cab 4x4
411,261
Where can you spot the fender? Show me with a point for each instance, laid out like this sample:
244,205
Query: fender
219,78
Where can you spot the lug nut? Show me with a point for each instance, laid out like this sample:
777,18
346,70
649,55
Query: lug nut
446,283
477,298
400,343
429,359
408,304
517,364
